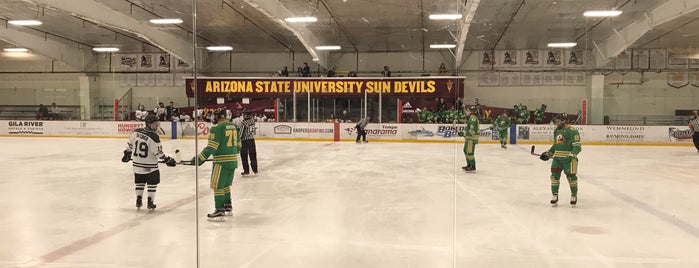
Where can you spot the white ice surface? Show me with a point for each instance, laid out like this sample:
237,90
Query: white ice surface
70,203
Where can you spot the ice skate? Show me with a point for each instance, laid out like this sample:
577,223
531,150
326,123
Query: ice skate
245,173
139,202
464,168
217,215
365,141
470,169
573,200
228,209
151,205
554,200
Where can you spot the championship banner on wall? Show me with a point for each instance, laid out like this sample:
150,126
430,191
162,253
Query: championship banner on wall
353,87
677,79
553,58
532,59
641,59
576,58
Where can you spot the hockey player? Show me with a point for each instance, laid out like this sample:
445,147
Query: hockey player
694,125
503,124
539,114
471,134
565,150
144,149
523,116
224,144
247,137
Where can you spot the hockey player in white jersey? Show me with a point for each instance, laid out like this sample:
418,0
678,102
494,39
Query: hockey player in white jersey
145,150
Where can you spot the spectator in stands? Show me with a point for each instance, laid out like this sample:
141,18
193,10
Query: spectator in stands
160,111
169,111
284,72
141,113
331,72
441,105
43,113
306,70
442,69
299,71
479,111
458,104
351,74
55,112
386,72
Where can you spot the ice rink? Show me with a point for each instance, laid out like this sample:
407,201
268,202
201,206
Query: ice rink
70,203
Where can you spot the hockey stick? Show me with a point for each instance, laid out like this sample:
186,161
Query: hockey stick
533,153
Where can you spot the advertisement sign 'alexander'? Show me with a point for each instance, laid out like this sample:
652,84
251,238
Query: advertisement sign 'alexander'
331,87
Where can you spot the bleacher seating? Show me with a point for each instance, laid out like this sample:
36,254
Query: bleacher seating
647,120
28,112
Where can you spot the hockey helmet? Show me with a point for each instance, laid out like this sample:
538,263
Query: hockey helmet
563,117
220,113
150,119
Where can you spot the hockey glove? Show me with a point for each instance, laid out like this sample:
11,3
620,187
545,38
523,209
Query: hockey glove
545,156
126,157
169,161
195,161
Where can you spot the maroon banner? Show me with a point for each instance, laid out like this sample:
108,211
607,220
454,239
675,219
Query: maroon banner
330,87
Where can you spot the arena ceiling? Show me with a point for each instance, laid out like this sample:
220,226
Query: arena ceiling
257,26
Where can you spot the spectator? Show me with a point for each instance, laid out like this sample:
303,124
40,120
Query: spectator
441,105
169,110
55,112
331,72
299,72
43,113
459,104
284,72
160,111
352,74
306,71
141,113
386,72
442,69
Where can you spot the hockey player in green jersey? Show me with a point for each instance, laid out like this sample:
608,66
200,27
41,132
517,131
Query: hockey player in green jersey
503,124
471,134
523,115
565,150
224,144
539,114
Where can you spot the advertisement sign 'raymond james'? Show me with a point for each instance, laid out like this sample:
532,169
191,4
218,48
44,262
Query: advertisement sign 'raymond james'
330,87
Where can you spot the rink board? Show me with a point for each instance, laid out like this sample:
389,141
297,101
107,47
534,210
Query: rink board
527,134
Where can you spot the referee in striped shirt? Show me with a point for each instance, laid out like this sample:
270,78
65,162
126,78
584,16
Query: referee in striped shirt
248,150
694,125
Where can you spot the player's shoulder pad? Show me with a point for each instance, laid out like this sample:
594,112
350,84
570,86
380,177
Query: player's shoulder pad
572,128
151,134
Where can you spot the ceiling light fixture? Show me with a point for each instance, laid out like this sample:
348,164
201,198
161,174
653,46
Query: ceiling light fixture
105,49
219,48
15,49
445,16
562,44
328,47
442,45
301,19
602,13
24,22
166,21
315,59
